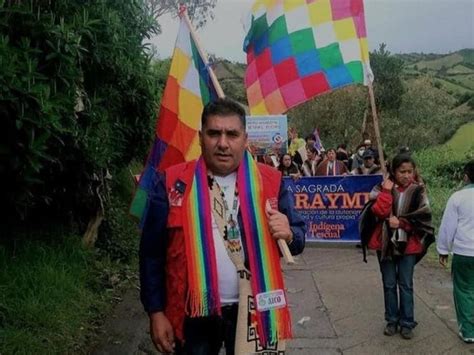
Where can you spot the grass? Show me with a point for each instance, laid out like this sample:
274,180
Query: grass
53,291
453,87
466,80
460,69
447,61
460,142
53,295
45,304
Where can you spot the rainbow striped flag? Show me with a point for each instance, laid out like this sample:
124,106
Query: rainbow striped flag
298,49
188,89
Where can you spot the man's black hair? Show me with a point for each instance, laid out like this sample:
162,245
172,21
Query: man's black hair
223,107
469,170
312,149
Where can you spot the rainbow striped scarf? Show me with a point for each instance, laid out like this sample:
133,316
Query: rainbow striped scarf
262,251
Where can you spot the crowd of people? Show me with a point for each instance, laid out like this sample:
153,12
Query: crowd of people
306,157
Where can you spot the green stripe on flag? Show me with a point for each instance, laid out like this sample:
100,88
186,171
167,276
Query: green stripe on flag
196,56
330,56
278,30
356,70
302,41
139,203
259,27
205,95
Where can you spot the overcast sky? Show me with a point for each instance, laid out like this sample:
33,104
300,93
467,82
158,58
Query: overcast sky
437,26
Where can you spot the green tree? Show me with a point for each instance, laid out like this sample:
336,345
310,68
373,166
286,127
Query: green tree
338,116
199,10
77,98
388,84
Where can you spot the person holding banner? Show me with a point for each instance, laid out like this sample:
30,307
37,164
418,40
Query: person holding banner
309,166
456,234
402,234
209,264
331,166
287,167
369,167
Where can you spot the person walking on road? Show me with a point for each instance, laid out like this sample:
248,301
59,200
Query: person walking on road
402,234
456,235
209,264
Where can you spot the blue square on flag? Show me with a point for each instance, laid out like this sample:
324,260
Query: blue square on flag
338,76
308,63
281,50
261,43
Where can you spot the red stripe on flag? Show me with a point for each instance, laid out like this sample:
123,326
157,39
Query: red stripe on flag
171,157
167,123
170,98
315,84
183,137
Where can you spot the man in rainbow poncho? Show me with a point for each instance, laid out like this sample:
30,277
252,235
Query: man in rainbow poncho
209,263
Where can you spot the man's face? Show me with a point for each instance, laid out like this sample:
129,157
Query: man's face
223,142
331,155
286,161
368,162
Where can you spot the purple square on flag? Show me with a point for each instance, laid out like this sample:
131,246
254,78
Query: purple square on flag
308,63
281,50
268,82
251,74
293,93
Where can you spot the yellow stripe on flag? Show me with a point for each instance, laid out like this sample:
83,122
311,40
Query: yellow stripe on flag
190,108
179,65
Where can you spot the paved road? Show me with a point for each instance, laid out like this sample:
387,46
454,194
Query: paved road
342,297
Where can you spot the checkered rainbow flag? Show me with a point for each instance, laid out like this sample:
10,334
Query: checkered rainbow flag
298,49
188,89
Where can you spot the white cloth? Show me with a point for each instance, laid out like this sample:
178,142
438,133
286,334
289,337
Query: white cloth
227,273
456,232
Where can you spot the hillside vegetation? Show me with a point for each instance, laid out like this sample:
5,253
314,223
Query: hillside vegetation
424,101
453,72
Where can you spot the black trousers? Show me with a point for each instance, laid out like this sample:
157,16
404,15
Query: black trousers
205,335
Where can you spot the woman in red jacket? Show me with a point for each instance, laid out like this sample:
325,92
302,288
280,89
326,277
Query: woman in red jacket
401,237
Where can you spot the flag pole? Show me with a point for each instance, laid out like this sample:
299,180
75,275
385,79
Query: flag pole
184,13
376,126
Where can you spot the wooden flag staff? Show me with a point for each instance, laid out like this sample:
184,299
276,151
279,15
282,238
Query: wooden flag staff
184,13
376,127
220,93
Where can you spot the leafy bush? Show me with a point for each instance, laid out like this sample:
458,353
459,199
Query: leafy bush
77,97
118,234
